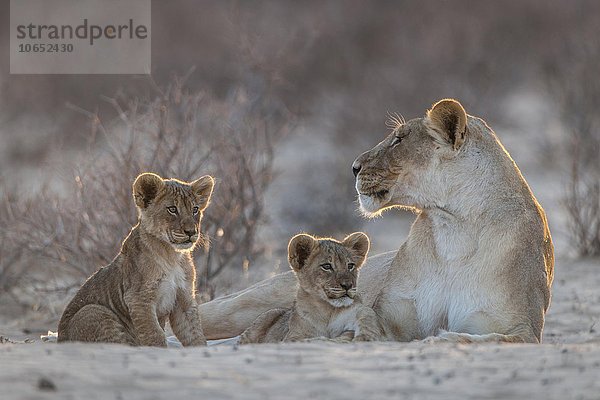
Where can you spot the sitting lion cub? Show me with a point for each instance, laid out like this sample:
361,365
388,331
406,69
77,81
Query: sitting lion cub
152,278
326,303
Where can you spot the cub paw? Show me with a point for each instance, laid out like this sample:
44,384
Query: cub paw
364,338
433,339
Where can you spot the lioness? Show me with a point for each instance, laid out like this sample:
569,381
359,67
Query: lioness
152,278
478,262
326,303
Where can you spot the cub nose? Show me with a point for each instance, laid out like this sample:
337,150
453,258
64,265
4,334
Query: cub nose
346,286
190,232
356,168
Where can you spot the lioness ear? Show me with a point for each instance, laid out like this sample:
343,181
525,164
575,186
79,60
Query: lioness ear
299,250
358,243
145,188
447,120
203,187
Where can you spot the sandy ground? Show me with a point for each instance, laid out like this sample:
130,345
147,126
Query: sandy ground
566,366
310,370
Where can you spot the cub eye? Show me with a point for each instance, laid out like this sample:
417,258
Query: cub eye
326,267
395,141
172,210
351,266
195,210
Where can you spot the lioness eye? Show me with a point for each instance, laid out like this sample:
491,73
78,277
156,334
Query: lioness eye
195,210
172,210
326,267
351,266
395,141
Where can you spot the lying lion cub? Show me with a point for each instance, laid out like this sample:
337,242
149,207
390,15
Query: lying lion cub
326,303
152,278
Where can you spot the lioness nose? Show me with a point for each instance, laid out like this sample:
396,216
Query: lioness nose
190,232
346,286
355,168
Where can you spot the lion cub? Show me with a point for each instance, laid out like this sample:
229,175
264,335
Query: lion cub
326,303
153,276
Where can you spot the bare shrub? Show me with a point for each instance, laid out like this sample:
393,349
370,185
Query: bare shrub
583,205
175,134
11,248
576,89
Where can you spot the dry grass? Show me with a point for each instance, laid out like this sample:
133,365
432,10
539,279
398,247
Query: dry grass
339,66
53,240
576,90
582,203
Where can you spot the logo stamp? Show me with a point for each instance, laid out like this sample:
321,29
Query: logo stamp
80,37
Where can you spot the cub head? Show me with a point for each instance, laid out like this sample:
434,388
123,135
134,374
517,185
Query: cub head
171,209
413,166
327,268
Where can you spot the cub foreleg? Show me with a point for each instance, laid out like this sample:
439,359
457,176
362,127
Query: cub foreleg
185,320
368,325
270,327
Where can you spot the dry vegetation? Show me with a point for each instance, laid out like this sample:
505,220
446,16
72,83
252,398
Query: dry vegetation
66,236
575,87
332,68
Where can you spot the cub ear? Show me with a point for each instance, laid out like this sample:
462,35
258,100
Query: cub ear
203,187
358,243
145,188
447,120
299,249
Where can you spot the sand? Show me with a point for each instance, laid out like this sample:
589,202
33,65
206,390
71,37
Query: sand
565,366
304,370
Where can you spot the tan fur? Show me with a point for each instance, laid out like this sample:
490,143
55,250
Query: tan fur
447,121
153,276
479,258
326,304
478,262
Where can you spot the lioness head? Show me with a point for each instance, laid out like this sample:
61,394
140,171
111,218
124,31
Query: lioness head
171,209
328,268
415,165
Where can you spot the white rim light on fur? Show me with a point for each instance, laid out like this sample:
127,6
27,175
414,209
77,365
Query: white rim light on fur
371,206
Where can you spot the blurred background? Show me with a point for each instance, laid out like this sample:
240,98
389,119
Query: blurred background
276,99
